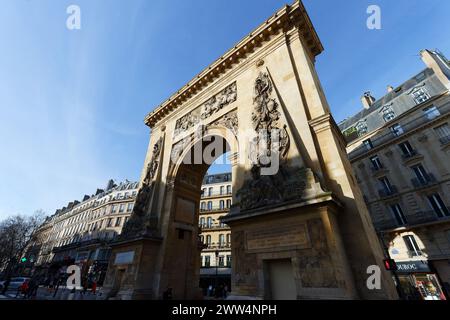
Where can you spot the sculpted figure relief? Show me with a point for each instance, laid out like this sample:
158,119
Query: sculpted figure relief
213,105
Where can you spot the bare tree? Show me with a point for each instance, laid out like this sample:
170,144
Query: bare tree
15,235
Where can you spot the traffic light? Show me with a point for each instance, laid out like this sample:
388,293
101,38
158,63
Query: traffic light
23,260
390,264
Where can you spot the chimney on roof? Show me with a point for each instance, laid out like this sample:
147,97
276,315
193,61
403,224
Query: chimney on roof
433,59
390,88
367,100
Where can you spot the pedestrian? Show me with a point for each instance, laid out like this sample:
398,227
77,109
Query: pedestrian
94,286
225,291
23,289
33,287
6,285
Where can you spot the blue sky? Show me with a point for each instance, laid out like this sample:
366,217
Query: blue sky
72,103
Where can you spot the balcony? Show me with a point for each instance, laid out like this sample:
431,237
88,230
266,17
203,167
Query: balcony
385,193
413,220
215,226
213,209
216,194
218,246
412,154
426,181
445,140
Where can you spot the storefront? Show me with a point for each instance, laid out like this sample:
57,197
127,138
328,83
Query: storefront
418,282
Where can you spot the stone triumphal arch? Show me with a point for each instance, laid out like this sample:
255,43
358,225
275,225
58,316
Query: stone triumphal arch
298,220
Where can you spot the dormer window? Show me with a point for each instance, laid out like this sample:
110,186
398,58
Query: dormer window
361,127
420,94
387,113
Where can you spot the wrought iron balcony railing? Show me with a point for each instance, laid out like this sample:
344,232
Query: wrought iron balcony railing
384,193
427,180
413,220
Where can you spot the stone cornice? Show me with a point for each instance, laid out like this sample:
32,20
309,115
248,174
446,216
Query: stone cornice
285,19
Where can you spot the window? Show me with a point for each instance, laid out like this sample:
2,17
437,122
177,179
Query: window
210,191
386,184
411,244
376,163
204,192
207,261
119,195
443,133
406,149
113,208
130,207
228,189
398,214
202,221
222,204
222,190
438,205
420,173
209,205
118,221
368,144
229,238
126,195
122,207
210,222
431,112
221,239
202,206
397,129
228,203
126,220
221,261
388,113
420,95
134,193
361,127
208,239
229,261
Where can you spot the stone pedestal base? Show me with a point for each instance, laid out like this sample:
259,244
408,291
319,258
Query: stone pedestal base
132,270
290,252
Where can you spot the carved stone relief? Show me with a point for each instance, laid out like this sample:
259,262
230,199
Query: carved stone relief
229,121
136,222
213,105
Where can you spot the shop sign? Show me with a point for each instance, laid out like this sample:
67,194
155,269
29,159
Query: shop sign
412,266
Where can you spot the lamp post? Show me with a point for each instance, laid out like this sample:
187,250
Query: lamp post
217,275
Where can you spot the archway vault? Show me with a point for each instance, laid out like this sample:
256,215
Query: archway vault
295,205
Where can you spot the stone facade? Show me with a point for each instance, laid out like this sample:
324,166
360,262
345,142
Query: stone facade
316,224
399,146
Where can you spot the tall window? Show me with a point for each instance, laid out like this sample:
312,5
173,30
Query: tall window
222,204
443,133
221,261
202,221
438,205
207,261
122,207
420,173
222,190
210,191
210,222
420,95
113,208
208,239
228,203
229,261
397,129
118,221
406,148
386,184
209,205
221,239
376,163
413,247
130,207
431,112
204,192
229,238
368,144
203,206
398,214
228,189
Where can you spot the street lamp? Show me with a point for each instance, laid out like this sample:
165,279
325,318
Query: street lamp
217,265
